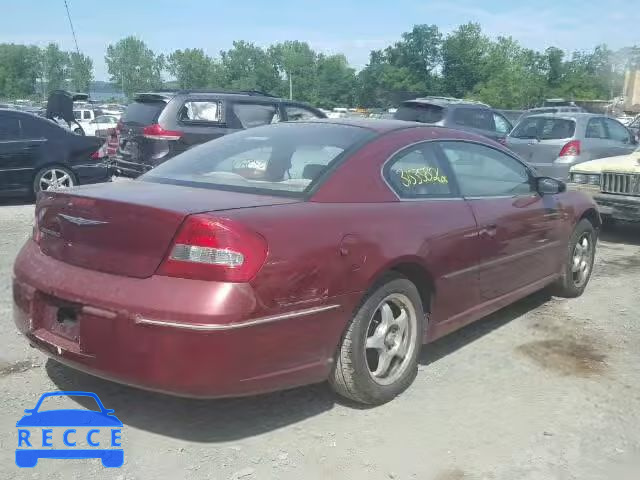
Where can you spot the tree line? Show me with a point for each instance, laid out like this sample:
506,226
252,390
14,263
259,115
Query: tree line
465,63
29,71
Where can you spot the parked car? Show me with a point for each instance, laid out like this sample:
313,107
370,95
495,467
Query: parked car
553,143
462,115
84,117
38,154
293,253
159,125
99,126
541,110
634,127
614,184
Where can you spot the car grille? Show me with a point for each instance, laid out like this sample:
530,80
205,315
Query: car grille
624,183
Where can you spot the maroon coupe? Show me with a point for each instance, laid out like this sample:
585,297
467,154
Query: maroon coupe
294,253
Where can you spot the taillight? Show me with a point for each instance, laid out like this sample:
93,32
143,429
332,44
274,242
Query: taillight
570,149
156,132
36,234
209,248
96,155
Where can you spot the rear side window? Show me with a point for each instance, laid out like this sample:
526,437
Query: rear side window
419,112
143,113
417,173
299,113
596,129
201,111
254,114
9,128
617,132
545,128
474,118
86,115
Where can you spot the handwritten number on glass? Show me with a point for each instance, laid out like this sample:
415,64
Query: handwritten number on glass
422,176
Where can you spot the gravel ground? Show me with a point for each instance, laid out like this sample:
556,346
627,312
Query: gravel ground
546,389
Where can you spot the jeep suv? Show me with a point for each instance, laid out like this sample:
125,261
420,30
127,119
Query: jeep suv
458,114
159,125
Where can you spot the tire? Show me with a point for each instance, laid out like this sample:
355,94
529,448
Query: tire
572,283
78,131
65,178
352,375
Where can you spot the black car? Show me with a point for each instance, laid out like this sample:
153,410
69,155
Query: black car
38,154
457,114
159,125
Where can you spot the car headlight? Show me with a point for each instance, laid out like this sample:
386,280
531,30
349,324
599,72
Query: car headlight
593,179
578,178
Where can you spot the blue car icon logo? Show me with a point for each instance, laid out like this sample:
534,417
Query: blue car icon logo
69,434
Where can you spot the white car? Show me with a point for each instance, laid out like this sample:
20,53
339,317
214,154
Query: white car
98,127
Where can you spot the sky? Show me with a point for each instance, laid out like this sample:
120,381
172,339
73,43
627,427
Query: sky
331,26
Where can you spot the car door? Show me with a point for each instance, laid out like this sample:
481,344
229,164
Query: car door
596,140
442,225
18,154
620,139
519,230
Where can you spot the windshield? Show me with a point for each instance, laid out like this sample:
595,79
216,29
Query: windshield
286,158
544,128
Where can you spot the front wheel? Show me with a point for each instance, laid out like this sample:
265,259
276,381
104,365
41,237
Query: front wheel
53,178
378,356
579,259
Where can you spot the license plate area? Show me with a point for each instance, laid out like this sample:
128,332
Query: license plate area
59,317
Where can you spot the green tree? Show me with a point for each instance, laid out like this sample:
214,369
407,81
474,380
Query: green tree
134,66
20,68
80,71
248,67
554,60
464,54
296,63
191,67
335,81
54,66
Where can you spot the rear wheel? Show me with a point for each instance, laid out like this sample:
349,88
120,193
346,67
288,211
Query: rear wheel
377,358
578,261
53,178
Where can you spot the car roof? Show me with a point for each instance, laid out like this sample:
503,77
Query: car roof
377,124
169,94
568,115
446,101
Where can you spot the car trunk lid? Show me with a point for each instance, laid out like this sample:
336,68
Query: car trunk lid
126,228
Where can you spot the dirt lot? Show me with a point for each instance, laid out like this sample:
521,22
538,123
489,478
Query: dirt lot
547,389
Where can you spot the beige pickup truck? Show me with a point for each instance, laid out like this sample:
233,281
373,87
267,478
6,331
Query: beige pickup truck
613,182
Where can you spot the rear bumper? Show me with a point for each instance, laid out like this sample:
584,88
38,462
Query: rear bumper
92,173
620,207
183,337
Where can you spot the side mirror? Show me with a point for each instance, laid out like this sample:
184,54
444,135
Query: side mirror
550,186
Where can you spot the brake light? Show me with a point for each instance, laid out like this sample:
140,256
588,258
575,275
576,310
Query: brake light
96,155
570,149
209,248
156,132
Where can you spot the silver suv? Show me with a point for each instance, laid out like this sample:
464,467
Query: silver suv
552,144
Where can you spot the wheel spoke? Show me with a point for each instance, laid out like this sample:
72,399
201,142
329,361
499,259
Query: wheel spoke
386,316
376,340
63,179
401,322
384,362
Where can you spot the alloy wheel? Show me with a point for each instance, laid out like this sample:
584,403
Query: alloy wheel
390,340
582,259
55,179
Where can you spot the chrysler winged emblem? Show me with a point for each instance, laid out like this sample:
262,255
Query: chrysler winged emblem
82,222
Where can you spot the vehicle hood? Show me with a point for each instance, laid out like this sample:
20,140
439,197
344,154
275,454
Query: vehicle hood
623,164
69,418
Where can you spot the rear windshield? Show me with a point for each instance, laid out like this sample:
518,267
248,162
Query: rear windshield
143,113
419,112
544,128
282,158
